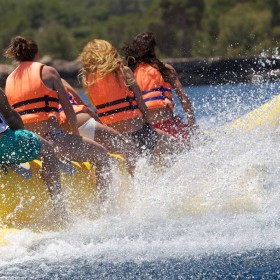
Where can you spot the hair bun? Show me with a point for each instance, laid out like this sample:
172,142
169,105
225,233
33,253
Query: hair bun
18,41
22,49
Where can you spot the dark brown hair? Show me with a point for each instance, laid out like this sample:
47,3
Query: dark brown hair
142,49
21,49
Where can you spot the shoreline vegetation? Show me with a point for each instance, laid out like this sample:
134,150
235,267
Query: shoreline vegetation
208,42
192,71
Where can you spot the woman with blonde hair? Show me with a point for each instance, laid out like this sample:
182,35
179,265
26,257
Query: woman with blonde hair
113,91
36,92
91,127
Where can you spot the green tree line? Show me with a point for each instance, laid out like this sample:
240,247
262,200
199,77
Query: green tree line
183,28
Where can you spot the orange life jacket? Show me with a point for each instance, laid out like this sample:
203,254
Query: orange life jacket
28,95
156,92
112,99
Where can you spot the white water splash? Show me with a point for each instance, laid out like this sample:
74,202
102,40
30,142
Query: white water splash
222,196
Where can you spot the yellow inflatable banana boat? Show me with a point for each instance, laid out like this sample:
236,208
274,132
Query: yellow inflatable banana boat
25,200
266,116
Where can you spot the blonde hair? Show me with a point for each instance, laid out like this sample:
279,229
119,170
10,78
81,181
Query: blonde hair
98,57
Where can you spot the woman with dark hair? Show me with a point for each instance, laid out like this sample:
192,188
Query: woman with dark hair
156,81
36,92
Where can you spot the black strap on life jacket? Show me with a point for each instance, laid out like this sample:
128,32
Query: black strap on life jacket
118,110
46,108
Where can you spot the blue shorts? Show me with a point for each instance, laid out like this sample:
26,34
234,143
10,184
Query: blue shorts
17,146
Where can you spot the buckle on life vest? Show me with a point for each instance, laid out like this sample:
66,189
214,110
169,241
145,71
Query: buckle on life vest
47,105
46,99
130,100
162,90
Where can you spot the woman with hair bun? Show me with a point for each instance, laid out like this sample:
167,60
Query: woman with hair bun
36,92
112,89
156,81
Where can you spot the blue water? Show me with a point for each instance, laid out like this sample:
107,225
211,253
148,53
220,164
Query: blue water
218,104
214,214
262,264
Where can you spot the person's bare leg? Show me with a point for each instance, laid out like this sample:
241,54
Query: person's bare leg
77,148
108,137
51,176
117,143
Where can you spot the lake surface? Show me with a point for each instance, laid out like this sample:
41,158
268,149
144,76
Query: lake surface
213,214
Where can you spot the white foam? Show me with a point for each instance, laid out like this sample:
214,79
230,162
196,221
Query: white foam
222,196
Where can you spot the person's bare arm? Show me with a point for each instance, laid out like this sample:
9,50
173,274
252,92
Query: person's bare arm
133,86
12,118
173,79
52,79
93,114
